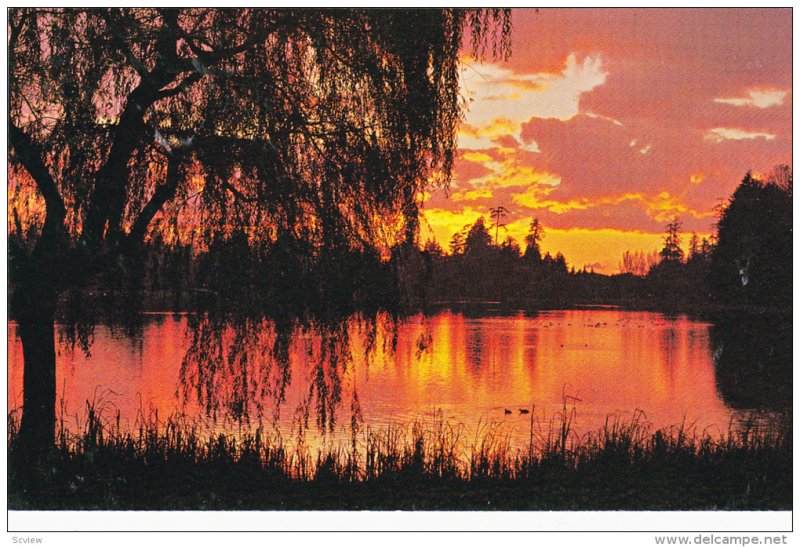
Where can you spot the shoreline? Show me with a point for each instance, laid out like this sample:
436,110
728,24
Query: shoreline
626,465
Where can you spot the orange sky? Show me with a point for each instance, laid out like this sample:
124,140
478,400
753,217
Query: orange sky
606,124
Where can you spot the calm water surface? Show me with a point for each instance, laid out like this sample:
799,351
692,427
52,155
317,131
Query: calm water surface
473,369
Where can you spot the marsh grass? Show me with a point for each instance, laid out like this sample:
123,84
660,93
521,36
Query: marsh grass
174,462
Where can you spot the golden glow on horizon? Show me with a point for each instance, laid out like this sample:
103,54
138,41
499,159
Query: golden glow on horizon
600,249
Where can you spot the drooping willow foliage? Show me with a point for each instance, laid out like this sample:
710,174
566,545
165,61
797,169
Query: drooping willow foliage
320,126
309,130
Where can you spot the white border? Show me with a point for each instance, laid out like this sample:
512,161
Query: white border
299,521
565,524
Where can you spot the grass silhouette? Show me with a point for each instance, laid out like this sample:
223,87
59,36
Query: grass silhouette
167,463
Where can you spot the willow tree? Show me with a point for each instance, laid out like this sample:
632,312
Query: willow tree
316,125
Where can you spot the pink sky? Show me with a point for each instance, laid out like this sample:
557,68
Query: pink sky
606,124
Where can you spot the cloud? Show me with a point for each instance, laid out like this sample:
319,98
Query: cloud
466,170
516,175
616,121
611,210
476,157
493,89
612,120
720,134
535,198
472,195
595,159
509,141
758,99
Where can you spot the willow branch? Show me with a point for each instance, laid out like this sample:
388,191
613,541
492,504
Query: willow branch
163,193
31,156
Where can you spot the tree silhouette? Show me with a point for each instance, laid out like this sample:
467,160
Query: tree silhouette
315,126
497,214
457,242
477,240
672,252
751,266
532,240
639,262
433,248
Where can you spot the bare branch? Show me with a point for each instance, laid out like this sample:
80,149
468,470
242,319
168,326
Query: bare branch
120,44
237,193
163,193
107,202
30,155
210,57
180,87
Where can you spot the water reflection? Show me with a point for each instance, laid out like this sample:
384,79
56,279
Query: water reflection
319,378
753,360
240,367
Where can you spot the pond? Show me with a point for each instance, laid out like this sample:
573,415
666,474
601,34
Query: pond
480,371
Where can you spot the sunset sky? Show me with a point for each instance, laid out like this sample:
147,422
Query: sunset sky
607,124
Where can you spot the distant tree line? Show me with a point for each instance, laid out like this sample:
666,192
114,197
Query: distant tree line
478,270
746,264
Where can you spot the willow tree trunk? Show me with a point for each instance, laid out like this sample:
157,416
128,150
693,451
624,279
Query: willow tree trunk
36,300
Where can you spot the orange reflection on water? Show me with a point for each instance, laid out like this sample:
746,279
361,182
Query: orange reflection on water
473,369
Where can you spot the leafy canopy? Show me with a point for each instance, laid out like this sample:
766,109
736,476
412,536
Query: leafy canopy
317,125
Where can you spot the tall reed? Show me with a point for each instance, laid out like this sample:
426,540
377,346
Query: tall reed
99,457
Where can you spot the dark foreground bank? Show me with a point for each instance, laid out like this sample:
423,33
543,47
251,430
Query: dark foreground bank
622,466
